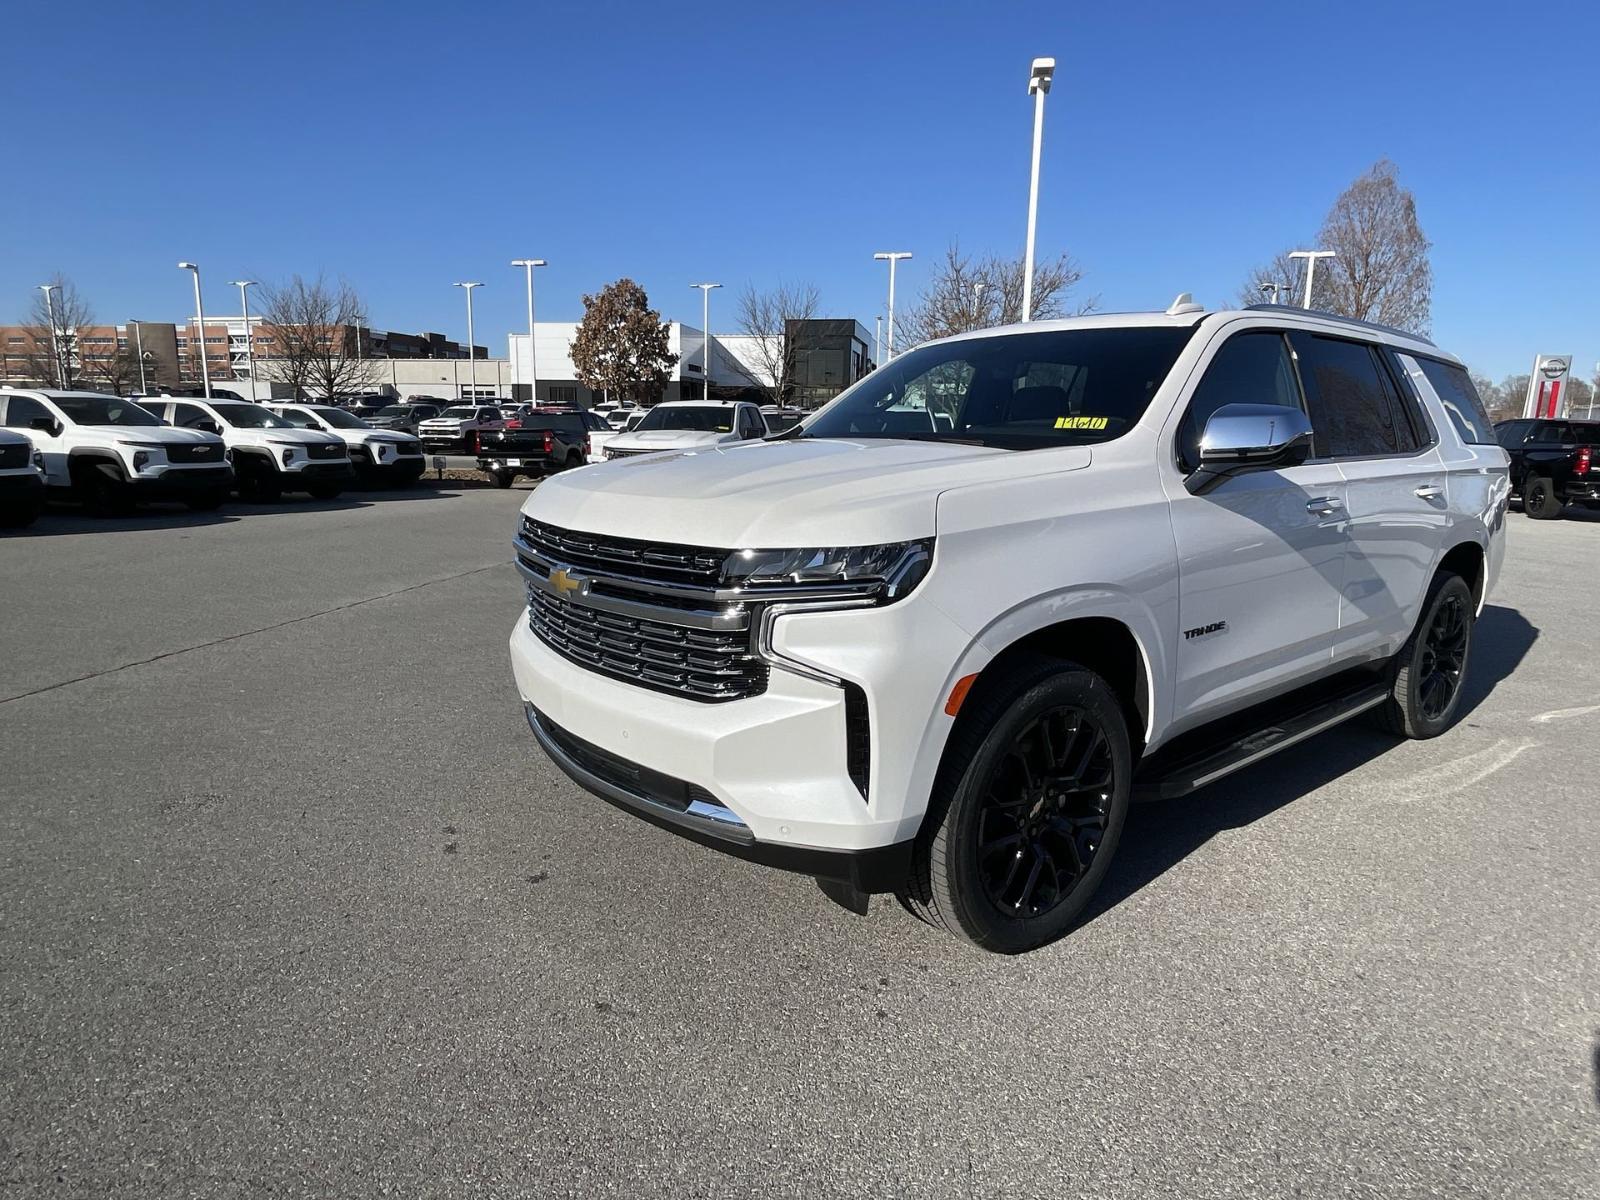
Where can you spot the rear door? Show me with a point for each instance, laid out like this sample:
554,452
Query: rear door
1261,555
1372,426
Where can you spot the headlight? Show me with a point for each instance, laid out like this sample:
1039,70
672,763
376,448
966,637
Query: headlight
38,460
886,572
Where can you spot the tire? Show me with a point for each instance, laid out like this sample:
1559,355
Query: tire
21,516
502,479
103,493
325,493
258,482
1539,499
573,462
994,792
1435,656
207,501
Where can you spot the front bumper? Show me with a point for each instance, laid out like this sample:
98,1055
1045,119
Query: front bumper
181,481
318,473
675,805
1583,491
406,468
26,488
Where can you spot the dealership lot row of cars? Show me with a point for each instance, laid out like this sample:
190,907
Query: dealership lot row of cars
110,452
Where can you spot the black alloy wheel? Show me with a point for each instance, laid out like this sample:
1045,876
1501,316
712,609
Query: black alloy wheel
1442,657
1044,813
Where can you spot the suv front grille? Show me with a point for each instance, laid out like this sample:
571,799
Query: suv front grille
326,450
661,561
195,452
698,664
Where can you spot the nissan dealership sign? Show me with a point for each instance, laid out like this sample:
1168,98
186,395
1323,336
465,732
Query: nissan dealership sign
1547,386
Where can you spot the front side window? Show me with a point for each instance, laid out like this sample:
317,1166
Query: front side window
299,419
699,418
22,411
104,410
1025,391
1350,406
189,416
1250,368
1454,388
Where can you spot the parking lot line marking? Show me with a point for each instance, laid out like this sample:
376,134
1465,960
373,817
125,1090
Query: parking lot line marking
1561,714
1474,768
234,637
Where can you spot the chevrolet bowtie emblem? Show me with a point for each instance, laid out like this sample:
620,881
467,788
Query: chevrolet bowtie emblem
564,583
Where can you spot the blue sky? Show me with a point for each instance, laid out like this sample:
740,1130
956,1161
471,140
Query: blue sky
407,145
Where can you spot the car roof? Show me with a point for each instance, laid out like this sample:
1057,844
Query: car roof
1192,316
58,394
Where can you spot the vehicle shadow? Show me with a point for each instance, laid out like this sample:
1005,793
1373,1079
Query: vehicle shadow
1162,834
62,519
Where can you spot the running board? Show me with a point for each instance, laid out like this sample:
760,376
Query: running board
1169,779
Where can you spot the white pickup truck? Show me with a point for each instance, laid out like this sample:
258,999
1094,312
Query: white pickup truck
935,639
269,455
110,453
688,425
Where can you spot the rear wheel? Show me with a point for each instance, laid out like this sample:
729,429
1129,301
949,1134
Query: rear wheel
574,460
1539,499
1431,666
325,492
502,479
1027,810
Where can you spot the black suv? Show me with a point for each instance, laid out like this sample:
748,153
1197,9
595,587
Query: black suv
405,417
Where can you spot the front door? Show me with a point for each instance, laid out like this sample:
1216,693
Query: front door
1261,557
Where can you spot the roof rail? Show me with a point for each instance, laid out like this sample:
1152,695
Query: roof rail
1342,320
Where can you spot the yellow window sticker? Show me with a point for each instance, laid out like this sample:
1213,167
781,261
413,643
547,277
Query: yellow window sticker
1081,422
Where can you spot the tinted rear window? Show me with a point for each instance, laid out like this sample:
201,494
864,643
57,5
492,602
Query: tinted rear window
1460,399
1352,410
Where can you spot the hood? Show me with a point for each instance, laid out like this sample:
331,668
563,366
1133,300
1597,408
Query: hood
300,437
667,439
776,494
167,435
383,435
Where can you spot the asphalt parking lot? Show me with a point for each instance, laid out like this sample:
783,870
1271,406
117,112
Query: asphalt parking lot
294,906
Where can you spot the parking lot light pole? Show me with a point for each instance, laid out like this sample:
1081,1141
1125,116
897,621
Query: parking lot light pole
892,257
249,341
138,347
472,351
55,346
705,320
1311,257
529,264
200,319
877,340
1044,70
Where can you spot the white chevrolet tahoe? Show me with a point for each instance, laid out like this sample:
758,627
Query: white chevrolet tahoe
21,481
936,638
380,457
110,453
689,425
269,455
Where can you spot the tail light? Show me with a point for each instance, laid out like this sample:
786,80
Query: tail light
549,442
1583,461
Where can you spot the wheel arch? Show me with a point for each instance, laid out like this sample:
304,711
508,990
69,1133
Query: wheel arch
83,458
1468,560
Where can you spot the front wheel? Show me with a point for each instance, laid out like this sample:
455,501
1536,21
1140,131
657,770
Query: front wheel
1431,666
1539,499
1027,809
325,493
207,501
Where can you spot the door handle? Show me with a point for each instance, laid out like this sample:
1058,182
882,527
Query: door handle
1324,506
1429,491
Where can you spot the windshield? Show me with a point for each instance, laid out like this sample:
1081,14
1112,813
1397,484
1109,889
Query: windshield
1022,391
339,419
460,414
394,410
249,416
703,418
103,410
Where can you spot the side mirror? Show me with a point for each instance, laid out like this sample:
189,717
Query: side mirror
210,427
46,425
1240,438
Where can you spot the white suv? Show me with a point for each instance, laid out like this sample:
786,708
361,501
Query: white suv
269,455
689,425
381,457
110,452
936,638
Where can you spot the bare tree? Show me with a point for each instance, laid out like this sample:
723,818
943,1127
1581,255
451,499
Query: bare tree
1380,271
111,362
764,318
311,324
967,294
53,329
